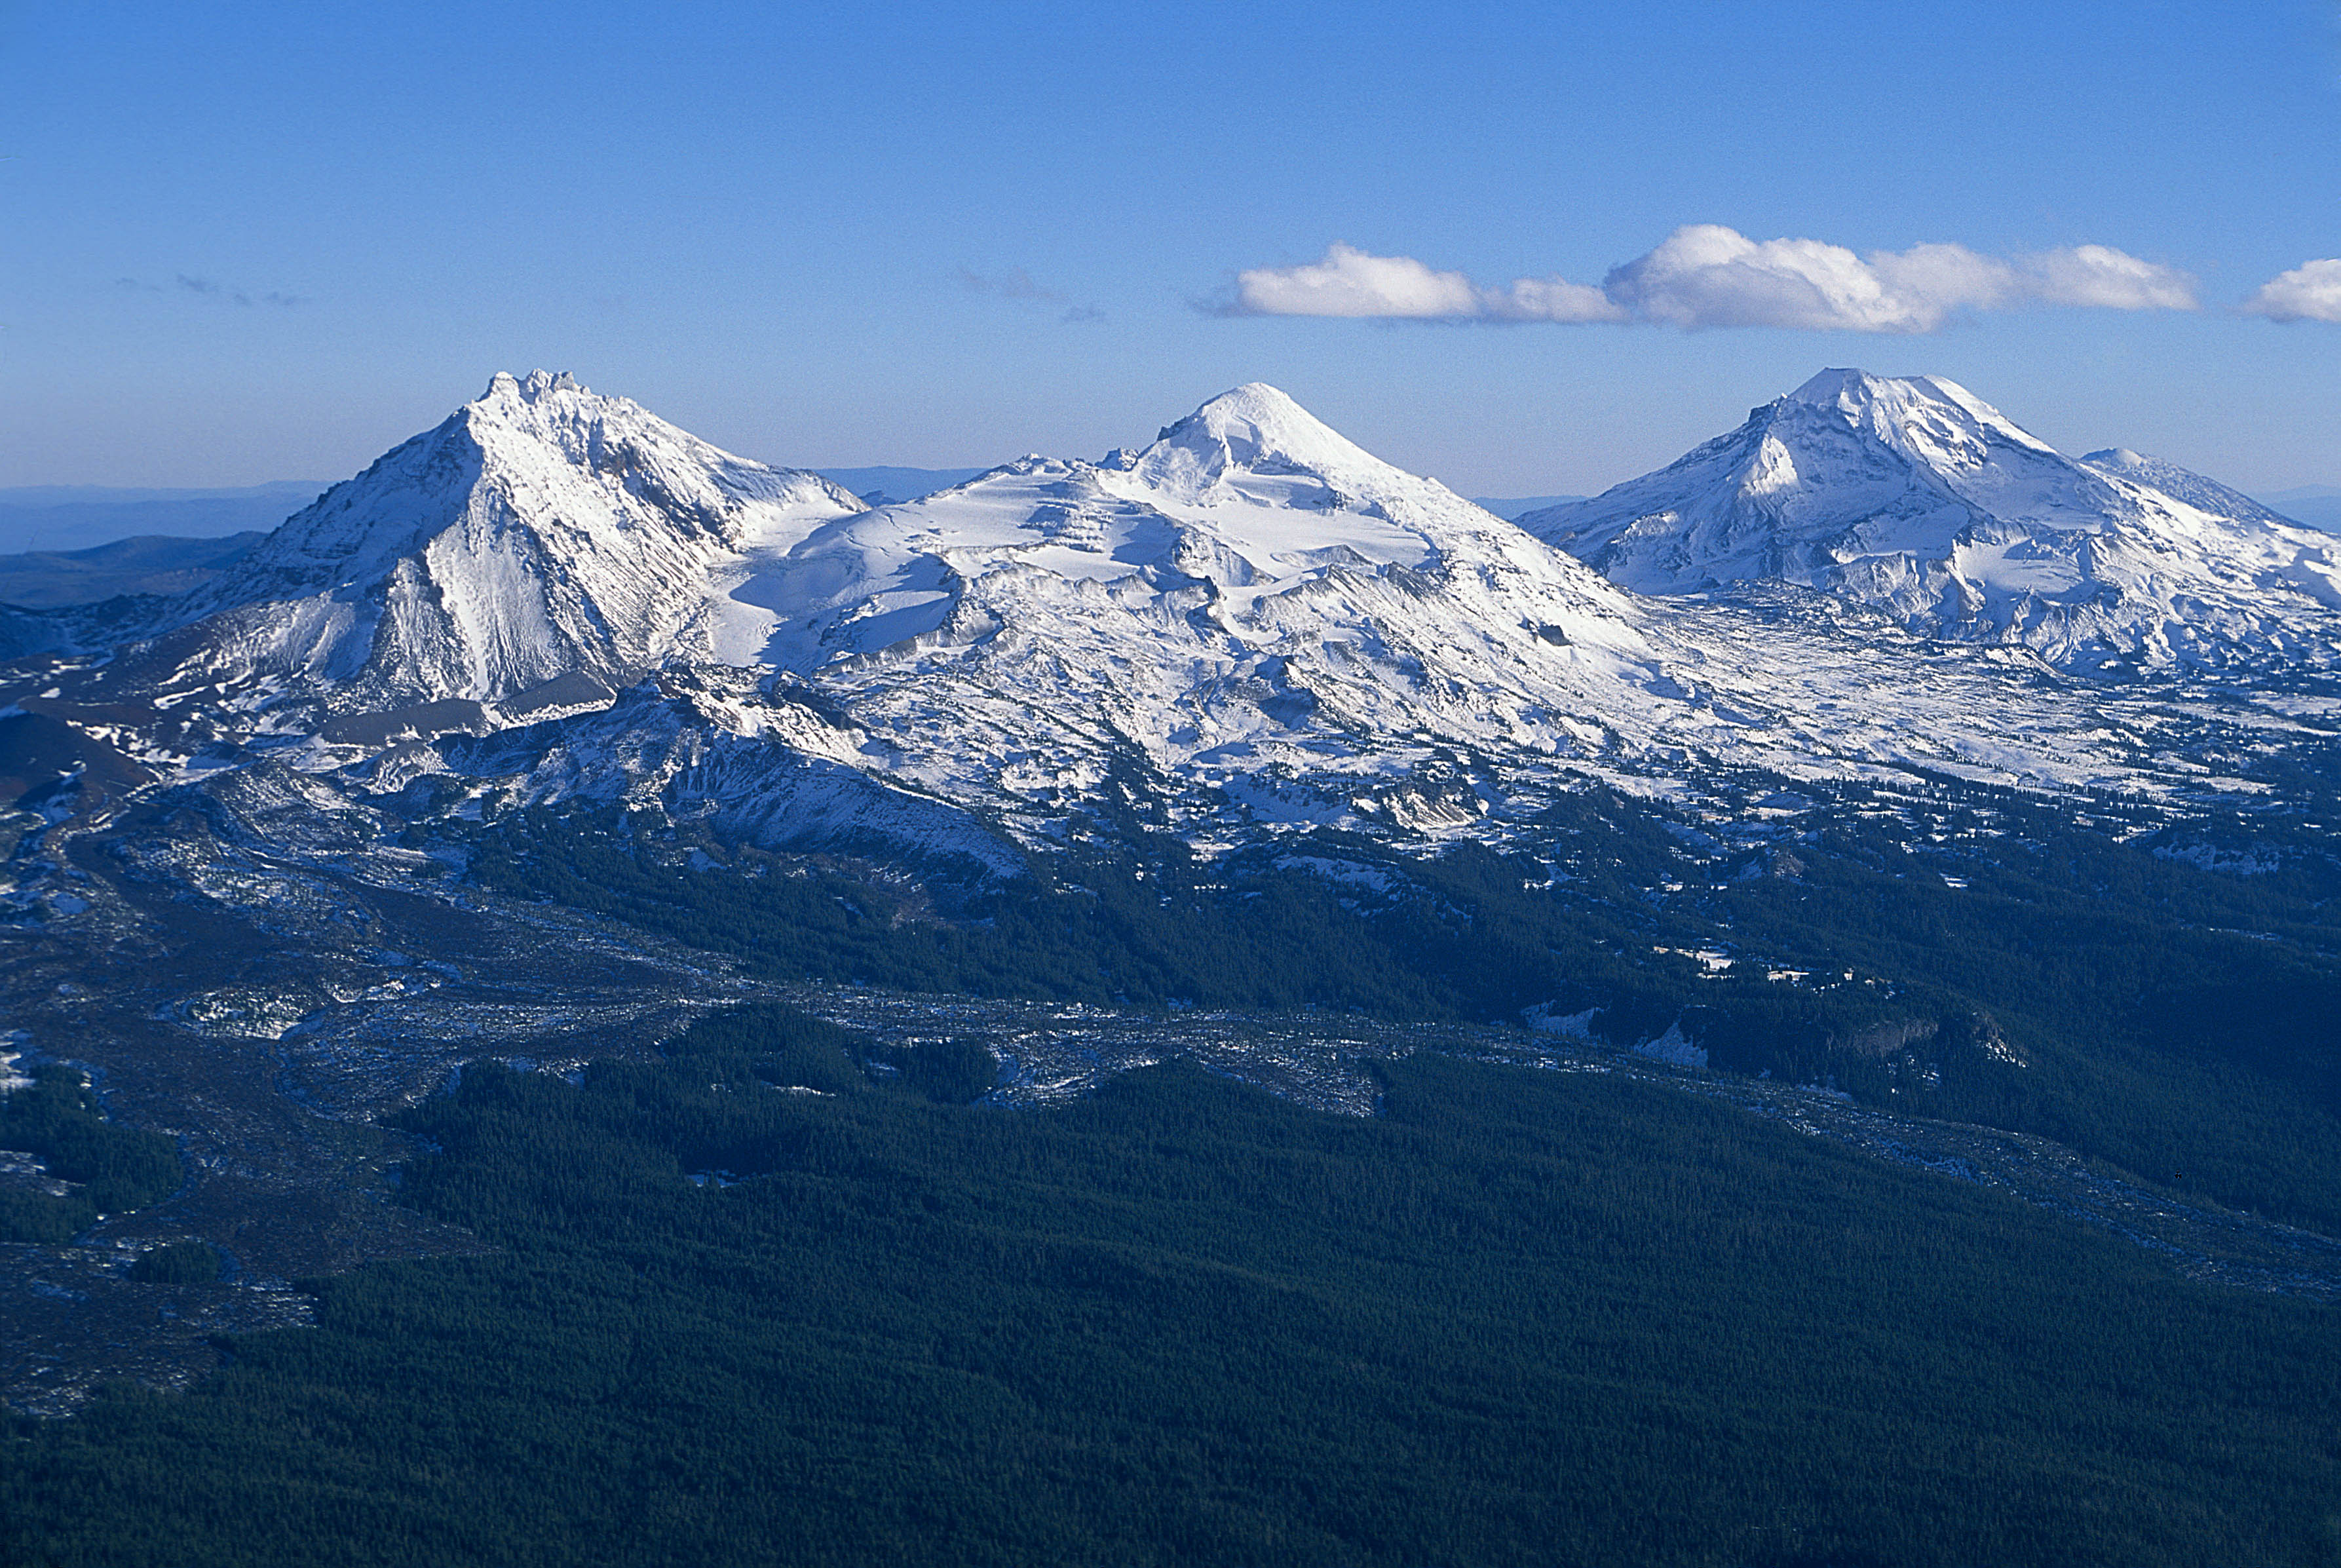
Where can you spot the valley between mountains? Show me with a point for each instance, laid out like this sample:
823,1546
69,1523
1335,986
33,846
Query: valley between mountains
1875,771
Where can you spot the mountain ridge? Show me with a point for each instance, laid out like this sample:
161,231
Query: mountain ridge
539,531
1916,496
1245,628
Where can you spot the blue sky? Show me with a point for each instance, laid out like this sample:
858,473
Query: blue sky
257,242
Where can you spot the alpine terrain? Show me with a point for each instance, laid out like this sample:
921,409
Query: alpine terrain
1219,993
1253,624
1917,497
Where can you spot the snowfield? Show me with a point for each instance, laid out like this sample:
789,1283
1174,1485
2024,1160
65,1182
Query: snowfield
1919,498
1246,626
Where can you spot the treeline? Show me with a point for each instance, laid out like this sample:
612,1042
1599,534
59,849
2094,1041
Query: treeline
1457,937
2169,1020
1521,1317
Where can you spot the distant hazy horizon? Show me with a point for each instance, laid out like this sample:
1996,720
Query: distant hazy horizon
32,520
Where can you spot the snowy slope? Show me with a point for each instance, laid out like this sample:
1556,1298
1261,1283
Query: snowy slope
1247,500
542,533
1252,622
1247,625
1919,498
2186,484
1249,596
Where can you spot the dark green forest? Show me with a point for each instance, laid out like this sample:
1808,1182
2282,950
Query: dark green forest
2174,1021
56,1120
1520,1318
783,1295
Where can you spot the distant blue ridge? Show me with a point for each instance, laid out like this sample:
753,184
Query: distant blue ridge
53,518
2319,505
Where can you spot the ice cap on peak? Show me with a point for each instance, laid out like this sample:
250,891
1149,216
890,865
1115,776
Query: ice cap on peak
1845,388
1831,384
1887,404
1255,407
1252,424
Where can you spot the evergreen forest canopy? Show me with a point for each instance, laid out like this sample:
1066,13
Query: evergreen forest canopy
784,1295
1520,1317
106,1166
2173,1021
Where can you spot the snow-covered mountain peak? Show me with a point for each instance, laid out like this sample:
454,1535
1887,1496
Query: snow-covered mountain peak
504,384
1846,388
1248,537
543,422
1858,392
1250,626
1917,496
539,458
1258,473
541,531
1928,418
1255,428
1255,444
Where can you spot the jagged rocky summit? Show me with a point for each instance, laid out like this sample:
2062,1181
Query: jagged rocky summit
1917,497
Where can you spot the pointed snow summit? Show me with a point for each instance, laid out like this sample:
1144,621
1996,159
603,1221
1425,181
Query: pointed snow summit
1250,506
1251,596
1918,497
1255,449
1241,440
543,534
1248,625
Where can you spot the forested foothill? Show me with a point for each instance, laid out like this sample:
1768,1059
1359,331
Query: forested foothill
1519,1317
783,1293
2094,973
85,1165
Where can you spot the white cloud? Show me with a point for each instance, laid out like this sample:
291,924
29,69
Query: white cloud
2098,276
1709,275
2309,292
1349,282
1705,275
1548,299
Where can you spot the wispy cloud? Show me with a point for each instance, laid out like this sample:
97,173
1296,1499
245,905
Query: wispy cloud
2107,278
2309,292
1707,275
1013,283
217,290
212,288
1018,284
